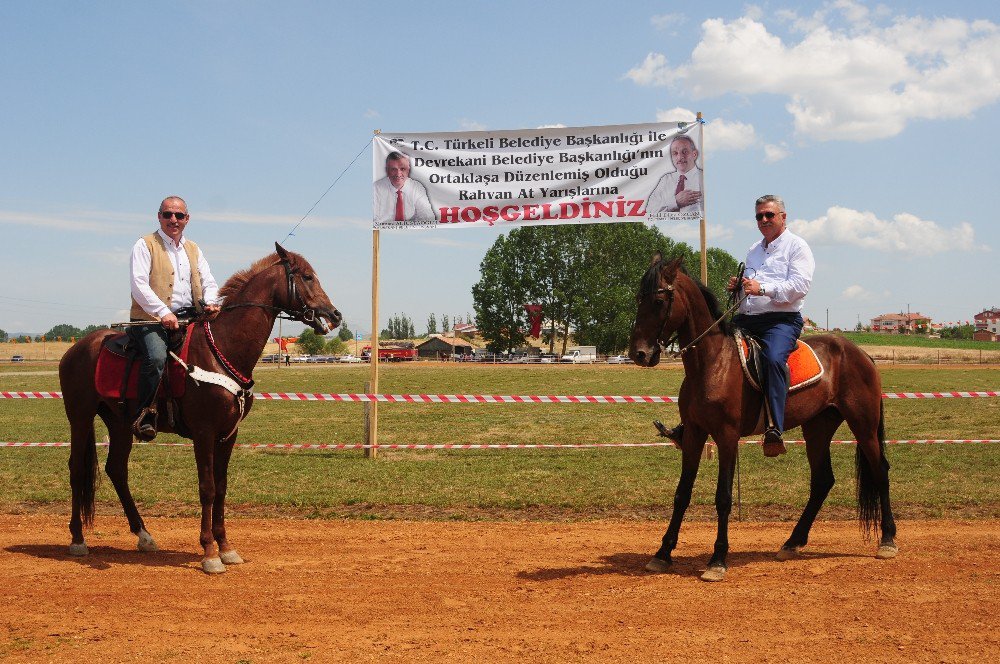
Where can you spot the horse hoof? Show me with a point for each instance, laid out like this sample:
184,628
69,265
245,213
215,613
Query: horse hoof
887,552
787,553
714,573
78,549
658,565
146,542
212,566
231,557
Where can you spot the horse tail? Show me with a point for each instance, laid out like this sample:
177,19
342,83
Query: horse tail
869,503
85,488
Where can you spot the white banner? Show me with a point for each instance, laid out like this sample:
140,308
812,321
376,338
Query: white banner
564,175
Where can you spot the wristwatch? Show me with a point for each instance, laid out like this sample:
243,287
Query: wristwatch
761,289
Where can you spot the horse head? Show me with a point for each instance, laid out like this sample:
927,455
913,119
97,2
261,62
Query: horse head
657,316
304,298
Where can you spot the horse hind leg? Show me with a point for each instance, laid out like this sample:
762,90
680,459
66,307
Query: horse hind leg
818,433
872,471
82,479
116,466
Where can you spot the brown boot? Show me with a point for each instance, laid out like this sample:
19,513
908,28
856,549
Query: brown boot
145,427
773,444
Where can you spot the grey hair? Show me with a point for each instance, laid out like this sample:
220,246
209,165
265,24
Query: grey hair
172,198
771,198
396,156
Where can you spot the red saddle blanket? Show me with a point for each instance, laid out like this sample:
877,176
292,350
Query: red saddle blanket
803,365
110,373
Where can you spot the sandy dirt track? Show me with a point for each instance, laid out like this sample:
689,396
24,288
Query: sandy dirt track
321,591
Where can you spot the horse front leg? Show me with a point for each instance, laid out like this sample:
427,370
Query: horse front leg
692,445
204,454
223,451
728,449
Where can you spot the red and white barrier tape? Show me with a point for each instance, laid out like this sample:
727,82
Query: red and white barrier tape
496,398
495,446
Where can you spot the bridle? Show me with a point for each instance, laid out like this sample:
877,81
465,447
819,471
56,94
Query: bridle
304,313
669,290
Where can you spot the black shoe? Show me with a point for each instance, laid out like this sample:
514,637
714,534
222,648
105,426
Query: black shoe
676,434
773,444
145,427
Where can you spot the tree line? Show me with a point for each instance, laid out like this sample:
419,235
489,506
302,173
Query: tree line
585,278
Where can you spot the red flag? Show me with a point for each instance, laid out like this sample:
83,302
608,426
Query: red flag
535,316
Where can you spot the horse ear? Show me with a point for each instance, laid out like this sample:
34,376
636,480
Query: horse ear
281,251
669,271
657,257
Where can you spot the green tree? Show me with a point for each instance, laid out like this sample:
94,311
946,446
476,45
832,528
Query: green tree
585,277
92,328
310,343
335,346
445,327
432,326
345,333
3,336
65,331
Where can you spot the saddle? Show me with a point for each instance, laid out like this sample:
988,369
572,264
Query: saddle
117,374
803,364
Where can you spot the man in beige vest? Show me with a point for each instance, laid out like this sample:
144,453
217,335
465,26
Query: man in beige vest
169,274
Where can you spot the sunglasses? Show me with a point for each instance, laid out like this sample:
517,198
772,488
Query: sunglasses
765,215
179,216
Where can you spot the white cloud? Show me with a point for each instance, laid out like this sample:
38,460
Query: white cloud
720,134
845,77
773,153
558,125
372,113
862,294
691,233
654,70
666,21
904,233
466,124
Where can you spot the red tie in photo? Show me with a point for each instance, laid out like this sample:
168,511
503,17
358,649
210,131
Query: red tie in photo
680,185
399,205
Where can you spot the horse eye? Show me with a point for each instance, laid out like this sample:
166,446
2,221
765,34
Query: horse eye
307,277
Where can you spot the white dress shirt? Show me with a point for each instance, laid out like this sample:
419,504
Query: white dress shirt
416,204
663,198
784,268
144,295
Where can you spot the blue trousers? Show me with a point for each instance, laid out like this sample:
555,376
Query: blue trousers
777,332
152,342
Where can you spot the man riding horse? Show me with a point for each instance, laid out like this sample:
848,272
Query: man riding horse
782,266
169,275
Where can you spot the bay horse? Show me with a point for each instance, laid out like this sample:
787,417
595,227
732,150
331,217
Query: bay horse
716,400
208,414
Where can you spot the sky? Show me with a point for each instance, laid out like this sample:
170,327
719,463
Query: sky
878,124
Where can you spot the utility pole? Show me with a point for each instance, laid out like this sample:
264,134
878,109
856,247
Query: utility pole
827,319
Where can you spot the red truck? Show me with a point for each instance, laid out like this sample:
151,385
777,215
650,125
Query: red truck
394,353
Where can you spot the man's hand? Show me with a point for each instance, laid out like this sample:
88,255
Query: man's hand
211,311
688,197
731,286
751,286
169,321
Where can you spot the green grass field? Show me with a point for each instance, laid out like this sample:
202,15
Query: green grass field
946,480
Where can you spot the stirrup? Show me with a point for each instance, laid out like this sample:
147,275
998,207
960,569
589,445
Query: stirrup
144,427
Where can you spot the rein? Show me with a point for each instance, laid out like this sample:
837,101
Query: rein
303,314
670,305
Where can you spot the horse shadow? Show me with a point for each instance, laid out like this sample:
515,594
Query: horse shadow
634,564
106,557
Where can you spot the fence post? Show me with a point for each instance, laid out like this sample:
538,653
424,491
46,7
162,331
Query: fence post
370,452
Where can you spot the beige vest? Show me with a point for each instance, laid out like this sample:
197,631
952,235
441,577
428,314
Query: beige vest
161,274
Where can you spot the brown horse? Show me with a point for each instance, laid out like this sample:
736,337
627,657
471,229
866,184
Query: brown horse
208,413
716,400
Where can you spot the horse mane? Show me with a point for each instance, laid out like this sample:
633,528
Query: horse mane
239,280
651,282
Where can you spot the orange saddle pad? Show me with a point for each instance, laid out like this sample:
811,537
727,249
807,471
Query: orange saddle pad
803,364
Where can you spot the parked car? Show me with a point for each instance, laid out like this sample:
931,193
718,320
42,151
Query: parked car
619,359
17,358
274,357
351,359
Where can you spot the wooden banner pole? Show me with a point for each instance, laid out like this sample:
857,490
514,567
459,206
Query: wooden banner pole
372,450
704,201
